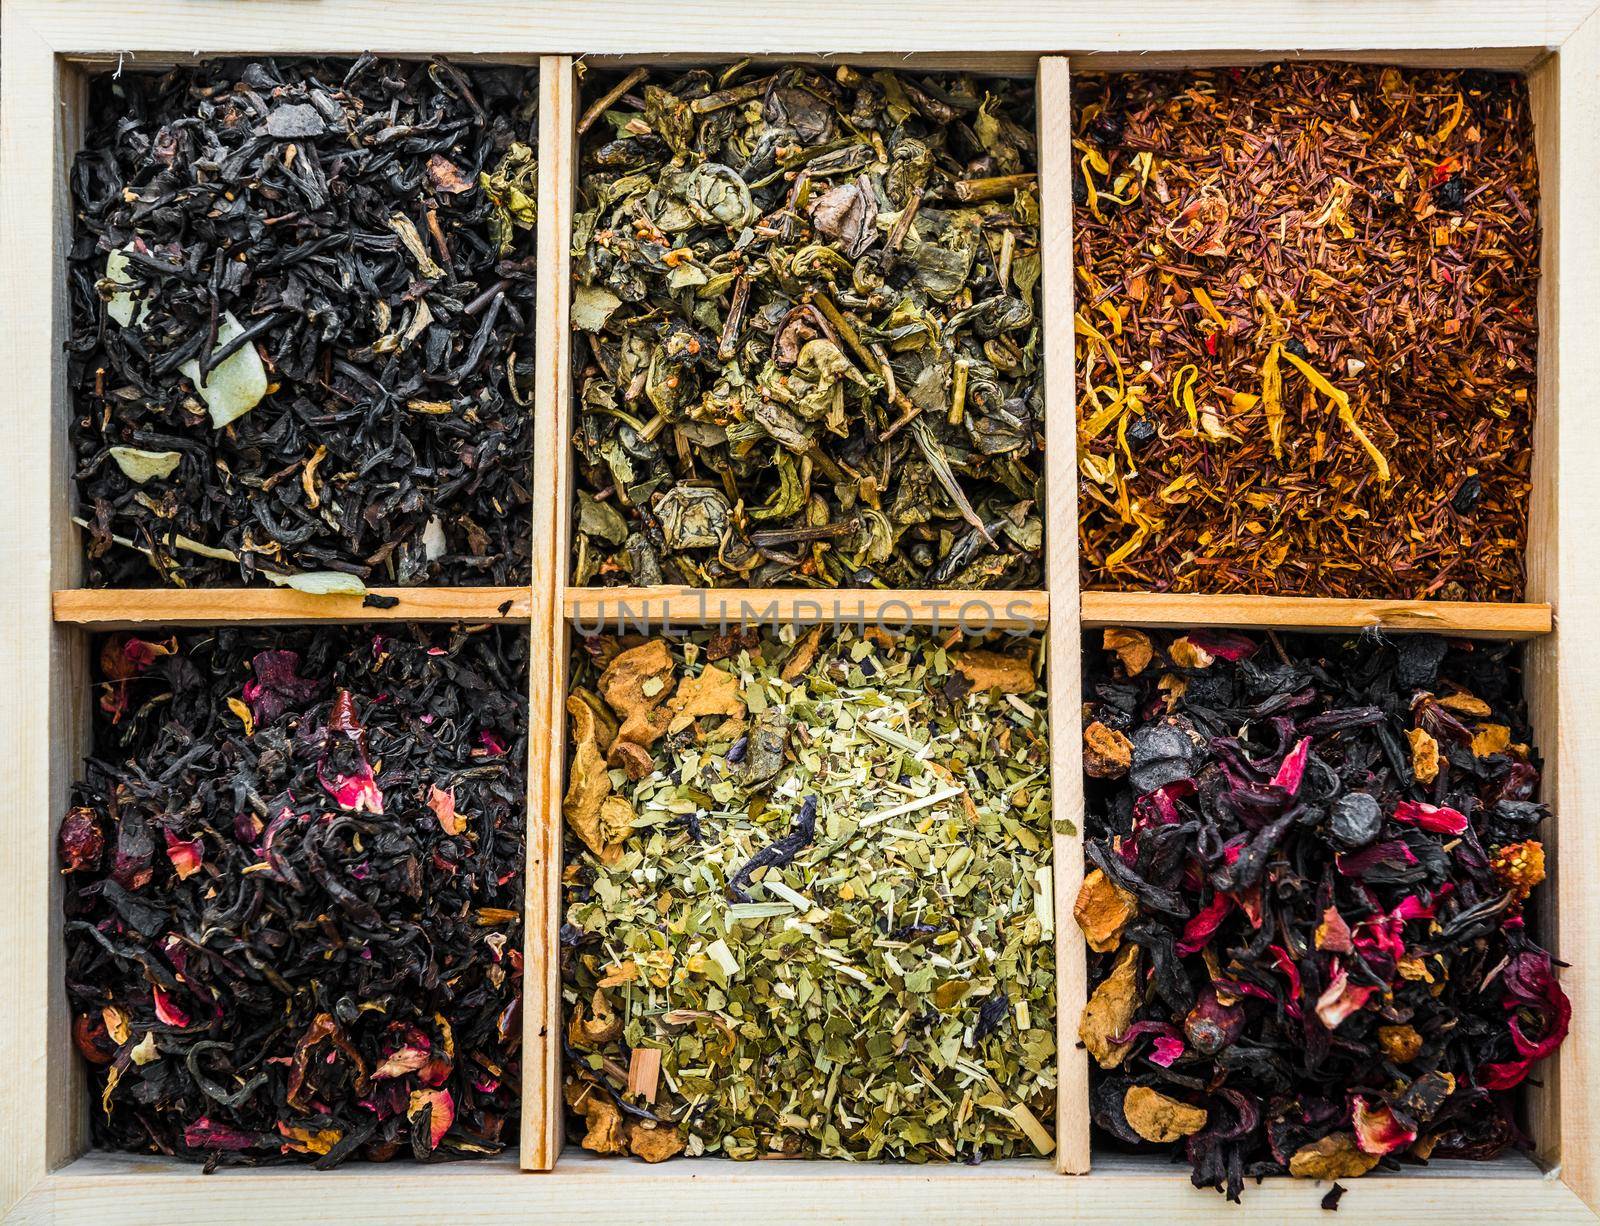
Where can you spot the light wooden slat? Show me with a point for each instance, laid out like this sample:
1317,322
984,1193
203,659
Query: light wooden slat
1566,526
718,26
1065,639
594,609
1544,1116
541,975
132,608
1163,610
43,688
126,1190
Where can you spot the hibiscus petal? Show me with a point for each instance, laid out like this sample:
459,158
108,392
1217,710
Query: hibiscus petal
1438,819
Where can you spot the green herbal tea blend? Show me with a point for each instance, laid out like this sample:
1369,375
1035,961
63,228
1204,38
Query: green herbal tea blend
1307,330
301,296
806,332
808,899
1309,859
293,894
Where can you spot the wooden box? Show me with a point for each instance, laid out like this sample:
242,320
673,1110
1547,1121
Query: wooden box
47,1173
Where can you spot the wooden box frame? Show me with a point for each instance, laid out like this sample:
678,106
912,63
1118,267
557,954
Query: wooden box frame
45,51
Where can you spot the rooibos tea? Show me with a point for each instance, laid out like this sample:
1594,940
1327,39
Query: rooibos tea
807,342
302,300
294,894
1306,330
808,900
1310,858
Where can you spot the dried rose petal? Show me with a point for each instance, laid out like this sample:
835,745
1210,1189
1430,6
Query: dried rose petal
1378,1129
167,1009
1341,999
1438,819
1293,768
204,1134
1198,931
443,1113
185,854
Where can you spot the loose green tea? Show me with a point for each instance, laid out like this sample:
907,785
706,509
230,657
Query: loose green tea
294,894
808,899
1307,330
806,337
301,297
1310,857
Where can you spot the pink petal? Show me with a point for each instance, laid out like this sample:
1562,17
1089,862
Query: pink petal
167,1011
399,1063
185,854
444,1113
1166,1051
203,1134
1200,928
1377,1129
1293,768
1341,999
1440,820
443,805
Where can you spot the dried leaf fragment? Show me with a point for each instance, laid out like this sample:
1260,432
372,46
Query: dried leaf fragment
597,817
1103,909
1110,1010
1107,753
1155,1117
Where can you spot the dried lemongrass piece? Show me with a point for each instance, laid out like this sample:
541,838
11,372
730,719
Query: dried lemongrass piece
320,582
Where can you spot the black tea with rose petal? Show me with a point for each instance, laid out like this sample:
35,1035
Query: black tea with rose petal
293,902
1309,858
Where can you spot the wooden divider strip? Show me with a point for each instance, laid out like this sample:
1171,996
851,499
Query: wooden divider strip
547,673
1162,610
1061,574
134,608
594,609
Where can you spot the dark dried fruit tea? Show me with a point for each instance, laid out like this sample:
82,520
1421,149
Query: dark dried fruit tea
294,873
808,899
1309,858
1307,330
301,315
806,331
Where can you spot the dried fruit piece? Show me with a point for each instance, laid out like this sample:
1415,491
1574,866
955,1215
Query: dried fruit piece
1336,1156
990,670
1519,867
1110,1010
1103,909
1424,755
1155,1117
1133,648
1107,753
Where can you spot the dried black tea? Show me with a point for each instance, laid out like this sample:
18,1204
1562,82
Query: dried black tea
294,894
302,305
1309,859
808,899
807,343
